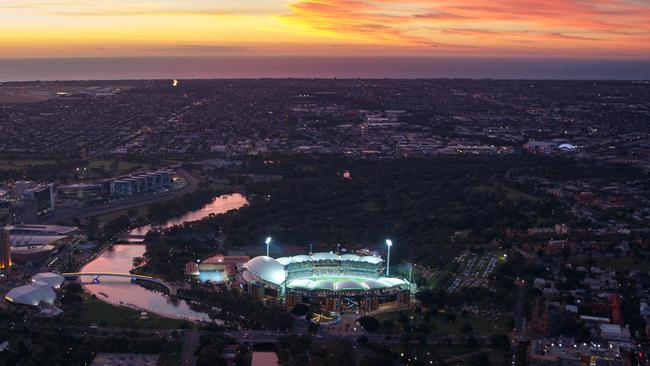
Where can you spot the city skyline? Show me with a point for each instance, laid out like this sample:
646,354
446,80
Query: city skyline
502,28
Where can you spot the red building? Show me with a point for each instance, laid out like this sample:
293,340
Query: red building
226,264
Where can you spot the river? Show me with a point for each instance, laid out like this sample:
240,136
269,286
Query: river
120,291
219,204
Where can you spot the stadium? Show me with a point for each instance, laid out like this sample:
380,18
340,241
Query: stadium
326,282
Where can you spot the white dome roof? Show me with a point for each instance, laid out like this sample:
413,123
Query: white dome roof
32,294
51,279
248,276
267,269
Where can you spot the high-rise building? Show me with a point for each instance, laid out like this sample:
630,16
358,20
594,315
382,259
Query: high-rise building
5,250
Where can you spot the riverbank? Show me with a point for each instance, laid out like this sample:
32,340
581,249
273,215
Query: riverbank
102,313
121,292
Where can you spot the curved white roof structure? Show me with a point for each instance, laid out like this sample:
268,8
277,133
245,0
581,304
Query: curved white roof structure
325,256
301,258
32,294
248,276
320,256
372,259
350,257
285,260
344,283
267,269
301,283
51,279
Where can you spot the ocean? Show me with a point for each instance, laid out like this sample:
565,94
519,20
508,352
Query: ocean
320,67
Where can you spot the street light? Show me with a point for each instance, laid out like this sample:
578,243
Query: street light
389,243
267,241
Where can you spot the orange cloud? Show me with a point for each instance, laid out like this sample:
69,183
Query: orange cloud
598,28
602,27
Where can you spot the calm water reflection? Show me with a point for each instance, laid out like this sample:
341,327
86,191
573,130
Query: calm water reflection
121,291
264,359
219,204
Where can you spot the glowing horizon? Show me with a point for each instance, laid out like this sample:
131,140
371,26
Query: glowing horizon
117,28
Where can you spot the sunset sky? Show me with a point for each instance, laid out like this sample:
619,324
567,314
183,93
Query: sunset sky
107,28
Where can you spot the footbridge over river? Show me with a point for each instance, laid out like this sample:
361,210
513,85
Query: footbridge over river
134,277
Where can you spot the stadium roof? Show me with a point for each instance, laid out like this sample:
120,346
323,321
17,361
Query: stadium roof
329,256
325,256
267,269
345,283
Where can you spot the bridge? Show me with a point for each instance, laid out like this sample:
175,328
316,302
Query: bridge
131,238
96,275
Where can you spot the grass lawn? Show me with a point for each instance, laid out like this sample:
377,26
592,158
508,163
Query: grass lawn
106,315
139,211
450,354
122,166
19,164
481,326
440,279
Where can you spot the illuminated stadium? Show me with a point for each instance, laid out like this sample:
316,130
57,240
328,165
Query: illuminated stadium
326,281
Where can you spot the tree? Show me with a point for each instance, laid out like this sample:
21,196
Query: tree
499,341
450,318
300,310
313,327
370,324
466,328
388,326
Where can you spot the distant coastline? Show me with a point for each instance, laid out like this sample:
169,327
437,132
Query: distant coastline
122,68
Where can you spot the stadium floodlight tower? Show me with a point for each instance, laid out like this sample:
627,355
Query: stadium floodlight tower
267,241
389,243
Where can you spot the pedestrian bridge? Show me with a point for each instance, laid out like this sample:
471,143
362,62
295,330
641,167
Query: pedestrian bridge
96,276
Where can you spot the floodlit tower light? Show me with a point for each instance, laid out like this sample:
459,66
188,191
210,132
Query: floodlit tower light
267,241
389,243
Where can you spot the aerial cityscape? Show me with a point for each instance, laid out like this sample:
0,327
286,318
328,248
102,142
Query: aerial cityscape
325,182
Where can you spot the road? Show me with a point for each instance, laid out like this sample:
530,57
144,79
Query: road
192,339
67,215
520,326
